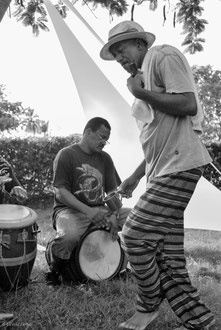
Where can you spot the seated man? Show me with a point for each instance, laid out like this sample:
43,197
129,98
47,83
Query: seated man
10,187
83,172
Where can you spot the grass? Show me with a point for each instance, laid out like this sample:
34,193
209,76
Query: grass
104,305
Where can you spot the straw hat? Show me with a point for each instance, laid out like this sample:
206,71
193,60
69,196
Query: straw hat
124,31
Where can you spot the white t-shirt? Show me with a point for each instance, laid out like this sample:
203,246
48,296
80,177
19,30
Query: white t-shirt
171,143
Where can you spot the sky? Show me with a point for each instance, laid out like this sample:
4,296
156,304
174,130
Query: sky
35,71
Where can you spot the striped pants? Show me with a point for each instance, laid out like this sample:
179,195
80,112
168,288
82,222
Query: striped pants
153,240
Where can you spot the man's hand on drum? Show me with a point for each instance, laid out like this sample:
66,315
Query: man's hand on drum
127,187
98,216
19,193
112,226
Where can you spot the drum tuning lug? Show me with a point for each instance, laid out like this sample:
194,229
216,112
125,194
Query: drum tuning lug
36,231
5,245
4,240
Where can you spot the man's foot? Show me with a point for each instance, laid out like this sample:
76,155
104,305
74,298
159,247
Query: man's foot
52,278
5,316
139,321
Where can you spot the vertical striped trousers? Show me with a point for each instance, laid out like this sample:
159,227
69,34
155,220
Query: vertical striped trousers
153,240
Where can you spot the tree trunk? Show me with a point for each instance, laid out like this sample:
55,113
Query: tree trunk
4,4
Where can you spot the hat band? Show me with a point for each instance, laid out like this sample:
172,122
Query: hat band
125,32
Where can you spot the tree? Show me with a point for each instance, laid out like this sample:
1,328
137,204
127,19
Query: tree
9,113
186,12
33,15
31,123
44,126
209,88
14,116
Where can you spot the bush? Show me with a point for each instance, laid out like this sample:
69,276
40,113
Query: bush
32,159
211,173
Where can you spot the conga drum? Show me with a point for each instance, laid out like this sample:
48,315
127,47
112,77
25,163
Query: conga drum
18,245
97,257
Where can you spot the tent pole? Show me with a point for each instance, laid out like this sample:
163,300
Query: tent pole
218,171
76,12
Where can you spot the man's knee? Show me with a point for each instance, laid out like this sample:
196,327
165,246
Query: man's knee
65,243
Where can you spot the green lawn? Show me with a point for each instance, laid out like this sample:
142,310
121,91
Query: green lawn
104,305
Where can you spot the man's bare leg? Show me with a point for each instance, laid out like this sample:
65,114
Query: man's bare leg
139,321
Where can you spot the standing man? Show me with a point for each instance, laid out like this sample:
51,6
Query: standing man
83,172
169,116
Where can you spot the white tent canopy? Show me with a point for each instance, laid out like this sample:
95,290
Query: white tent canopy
100,98
204,209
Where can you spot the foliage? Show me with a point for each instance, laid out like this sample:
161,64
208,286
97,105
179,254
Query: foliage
187,12
31,122
211,173
34,15
14,116
32,159
115,7
9,112
209,89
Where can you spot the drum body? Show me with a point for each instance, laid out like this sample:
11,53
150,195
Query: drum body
97,257
18,245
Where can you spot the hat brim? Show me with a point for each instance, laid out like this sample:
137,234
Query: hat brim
105,53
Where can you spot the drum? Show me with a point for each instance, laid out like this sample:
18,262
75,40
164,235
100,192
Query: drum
97,257
18,245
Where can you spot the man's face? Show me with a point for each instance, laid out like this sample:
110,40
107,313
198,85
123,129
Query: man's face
127,54
98,139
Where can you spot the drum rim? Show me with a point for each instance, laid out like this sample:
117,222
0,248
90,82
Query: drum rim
19,222
85,277
109,196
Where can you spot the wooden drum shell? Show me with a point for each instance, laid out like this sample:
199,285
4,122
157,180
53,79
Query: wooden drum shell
18,245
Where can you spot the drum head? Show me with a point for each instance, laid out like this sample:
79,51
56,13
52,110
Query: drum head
99,256
15,216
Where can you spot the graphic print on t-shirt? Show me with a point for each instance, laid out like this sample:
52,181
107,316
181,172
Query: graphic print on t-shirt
90,185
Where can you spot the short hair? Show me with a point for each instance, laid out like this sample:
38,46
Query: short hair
95,123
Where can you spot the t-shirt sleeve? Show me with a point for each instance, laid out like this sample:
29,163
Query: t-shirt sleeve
61,170
174,74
